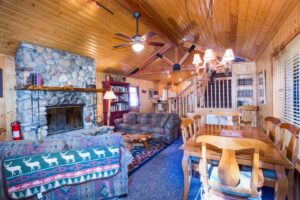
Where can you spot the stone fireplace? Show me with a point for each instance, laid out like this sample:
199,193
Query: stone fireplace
63,118
42,110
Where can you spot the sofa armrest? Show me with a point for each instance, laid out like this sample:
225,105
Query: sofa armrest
118,121
172,122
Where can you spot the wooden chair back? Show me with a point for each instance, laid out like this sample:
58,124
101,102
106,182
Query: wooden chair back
197,122
186,128
290,141
228,168
247,115
273,129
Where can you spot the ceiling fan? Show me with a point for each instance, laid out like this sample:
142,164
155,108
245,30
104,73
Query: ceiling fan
137,41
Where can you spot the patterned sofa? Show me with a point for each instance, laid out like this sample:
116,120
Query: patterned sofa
163,126
107,184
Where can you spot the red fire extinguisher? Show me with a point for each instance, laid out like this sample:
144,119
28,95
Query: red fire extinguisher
16,130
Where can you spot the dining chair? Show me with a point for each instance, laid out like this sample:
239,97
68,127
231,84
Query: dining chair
273,130
247,115
289,146
187,125
197,122
227,180
186,128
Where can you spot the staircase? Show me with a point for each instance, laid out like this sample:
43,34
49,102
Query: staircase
191,98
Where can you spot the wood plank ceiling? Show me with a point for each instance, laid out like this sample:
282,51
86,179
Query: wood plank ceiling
79,26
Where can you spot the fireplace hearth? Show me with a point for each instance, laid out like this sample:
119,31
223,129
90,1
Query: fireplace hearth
63,118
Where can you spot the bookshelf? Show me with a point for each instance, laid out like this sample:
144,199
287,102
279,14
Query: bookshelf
120,105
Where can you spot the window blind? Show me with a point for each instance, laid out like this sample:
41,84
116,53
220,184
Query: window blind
287,82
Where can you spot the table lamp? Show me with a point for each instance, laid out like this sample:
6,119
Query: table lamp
109,95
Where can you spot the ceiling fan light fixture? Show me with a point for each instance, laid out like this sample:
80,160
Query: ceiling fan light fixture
209,55
197,59
137,47
228,56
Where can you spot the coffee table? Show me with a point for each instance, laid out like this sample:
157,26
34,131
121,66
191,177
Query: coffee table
138,138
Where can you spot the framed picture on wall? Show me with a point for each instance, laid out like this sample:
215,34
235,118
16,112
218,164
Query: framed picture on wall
262,87
1,83
150,93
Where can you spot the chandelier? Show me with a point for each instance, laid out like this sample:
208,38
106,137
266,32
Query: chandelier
212,64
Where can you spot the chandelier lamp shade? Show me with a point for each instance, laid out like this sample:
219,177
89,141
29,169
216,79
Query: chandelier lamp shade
197,59
209,55
212,63
228,56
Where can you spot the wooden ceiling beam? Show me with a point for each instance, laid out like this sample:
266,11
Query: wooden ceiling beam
149,18
202,48
152,58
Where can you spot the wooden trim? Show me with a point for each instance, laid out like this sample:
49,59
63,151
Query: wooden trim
298,166
50,88
283,45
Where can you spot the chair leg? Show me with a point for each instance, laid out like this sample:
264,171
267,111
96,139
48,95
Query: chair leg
281,187
186,167
291,184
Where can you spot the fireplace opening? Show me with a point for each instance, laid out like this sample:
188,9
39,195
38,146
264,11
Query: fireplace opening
64,118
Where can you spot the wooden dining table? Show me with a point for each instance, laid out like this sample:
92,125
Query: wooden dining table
271,159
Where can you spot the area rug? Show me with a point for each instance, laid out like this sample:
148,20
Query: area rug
141,155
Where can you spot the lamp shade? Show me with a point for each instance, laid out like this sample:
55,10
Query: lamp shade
109,95
228,56
197,59
209,55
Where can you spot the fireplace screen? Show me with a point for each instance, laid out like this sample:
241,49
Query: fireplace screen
64,118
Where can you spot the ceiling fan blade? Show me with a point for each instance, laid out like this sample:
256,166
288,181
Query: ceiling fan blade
123,36
156,44
148,35
121,45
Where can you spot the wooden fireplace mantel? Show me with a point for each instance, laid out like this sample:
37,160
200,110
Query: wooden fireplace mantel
51,88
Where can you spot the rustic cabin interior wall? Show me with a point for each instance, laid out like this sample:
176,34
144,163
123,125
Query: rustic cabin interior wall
8,101
289,28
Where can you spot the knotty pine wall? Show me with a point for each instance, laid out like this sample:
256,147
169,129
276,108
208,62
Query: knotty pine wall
287,30
8,101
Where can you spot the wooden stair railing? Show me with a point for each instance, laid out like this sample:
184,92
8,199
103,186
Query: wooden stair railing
189,98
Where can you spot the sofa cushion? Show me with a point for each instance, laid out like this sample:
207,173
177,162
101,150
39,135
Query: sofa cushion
157,130
155,119
125,127
244,183
144,118
129,118
146,128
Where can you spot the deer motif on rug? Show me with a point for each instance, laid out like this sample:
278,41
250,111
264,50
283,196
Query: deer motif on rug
84,155
67,158
31,164
13,169
50,161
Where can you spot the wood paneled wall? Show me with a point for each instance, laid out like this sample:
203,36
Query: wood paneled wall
8,101
289,28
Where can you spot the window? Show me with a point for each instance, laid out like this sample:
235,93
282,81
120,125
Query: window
218,94
134,96
286,83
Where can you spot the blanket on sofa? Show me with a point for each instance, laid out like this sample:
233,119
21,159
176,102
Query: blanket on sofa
28,176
